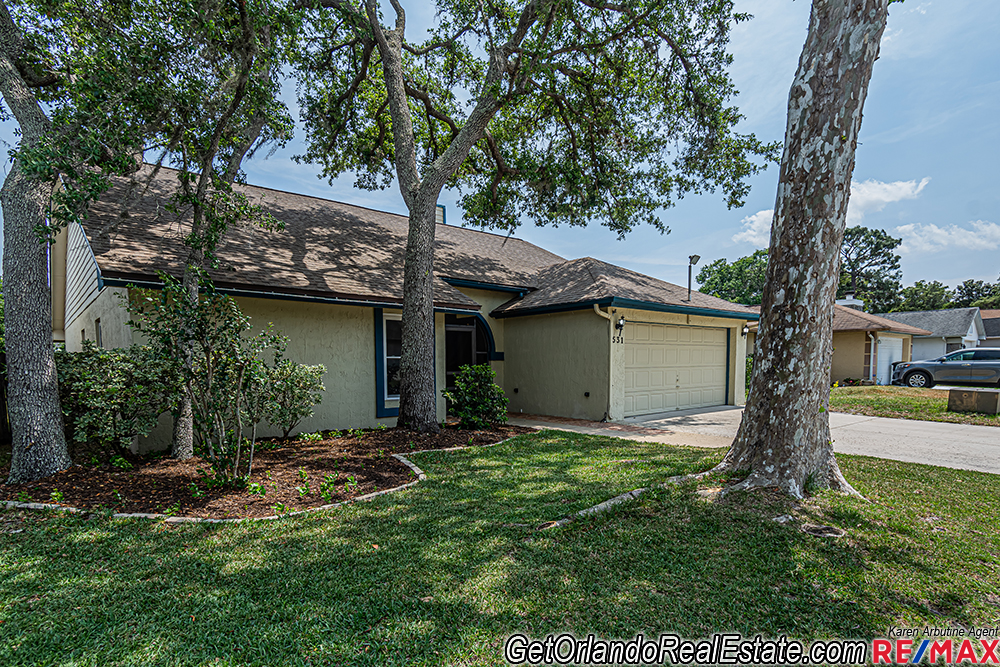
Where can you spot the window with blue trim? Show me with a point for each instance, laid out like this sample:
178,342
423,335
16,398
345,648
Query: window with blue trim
392,347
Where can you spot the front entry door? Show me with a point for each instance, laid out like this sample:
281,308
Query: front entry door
465,343
460,349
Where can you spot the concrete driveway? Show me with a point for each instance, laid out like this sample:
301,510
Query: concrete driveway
937,443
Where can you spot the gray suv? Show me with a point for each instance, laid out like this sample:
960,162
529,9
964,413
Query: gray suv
978,365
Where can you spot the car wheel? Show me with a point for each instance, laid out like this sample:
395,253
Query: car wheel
919,379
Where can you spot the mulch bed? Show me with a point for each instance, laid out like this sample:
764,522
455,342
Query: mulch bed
291,474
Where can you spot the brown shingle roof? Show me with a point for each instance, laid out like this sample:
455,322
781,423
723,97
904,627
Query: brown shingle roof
849,319
588,280
326,249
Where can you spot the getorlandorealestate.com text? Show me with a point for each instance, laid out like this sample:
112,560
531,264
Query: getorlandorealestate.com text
976,646
672,649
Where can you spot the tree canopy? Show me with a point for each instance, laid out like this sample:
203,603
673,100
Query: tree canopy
924,295
740,282
869,268
594,111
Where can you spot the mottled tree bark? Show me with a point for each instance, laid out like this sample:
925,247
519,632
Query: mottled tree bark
784,439
420,190
33,394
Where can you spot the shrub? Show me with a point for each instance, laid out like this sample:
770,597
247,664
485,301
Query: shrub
294,389
221,367
109,397
476,400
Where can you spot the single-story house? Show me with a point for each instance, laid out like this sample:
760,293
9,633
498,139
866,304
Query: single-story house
855,335
951,329
991,327
581,338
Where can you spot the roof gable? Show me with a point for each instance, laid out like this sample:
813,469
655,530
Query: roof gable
950,323
849,319
585,281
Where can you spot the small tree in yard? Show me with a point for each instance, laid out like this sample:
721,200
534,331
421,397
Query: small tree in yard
294,390
221,366
784,438
477,401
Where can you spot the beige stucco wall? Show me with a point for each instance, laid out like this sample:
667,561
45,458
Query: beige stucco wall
552,360
737,352
848,355
107,308
342,338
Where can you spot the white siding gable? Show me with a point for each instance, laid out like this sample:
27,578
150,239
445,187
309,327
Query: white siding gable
81,274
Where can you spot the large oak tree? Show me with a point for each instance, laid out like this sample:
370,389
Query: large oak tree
784,438
555,111
93,86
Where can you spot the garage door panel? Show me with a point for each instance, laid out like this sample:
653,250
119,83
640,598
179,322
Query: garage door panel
669,367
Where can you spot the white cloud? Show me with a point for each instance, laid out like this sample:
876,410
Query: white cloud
866,196
921,238
756,229
873,195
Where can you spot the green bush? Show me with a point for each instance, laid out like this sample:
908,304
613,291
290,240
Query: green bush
749,375
110,396
476,400
221,365
295,388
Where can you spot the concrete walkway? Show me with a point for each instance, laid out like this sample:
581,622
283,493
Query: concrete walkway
959,446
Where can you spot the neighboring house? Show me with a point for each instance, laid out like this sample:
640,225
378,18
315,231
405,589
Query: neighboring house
951,329
855,334
865,346
331,280
991,327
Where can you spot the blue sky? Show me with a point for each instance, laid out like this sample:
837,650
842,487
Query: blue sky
925,167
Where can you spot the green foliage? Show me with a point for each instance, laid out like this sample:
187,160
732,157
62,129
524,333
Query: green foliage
195,83
477,401
925,295
294,390
224,376
594,111
989,302
110,396
739,282
974,293
749,373
869,268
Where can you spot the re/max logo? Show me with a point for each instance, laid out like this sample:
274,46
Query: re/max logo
902,651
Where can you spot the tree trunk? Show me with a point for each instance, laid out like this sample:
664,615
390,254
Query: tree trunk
39,442
784,438
182,444
418,399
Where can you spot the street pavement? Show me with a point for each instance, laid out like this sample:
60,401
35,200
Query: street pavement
959,446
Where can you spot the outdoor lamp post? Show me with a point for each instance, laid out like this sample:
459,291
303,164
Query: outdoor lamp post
692,260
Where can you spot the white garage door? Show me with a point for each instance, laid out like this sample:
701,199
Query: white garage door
889,350
673,368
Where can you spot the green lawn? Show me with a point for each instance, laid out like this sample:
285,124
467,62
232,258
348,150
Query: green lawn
903,403
443,572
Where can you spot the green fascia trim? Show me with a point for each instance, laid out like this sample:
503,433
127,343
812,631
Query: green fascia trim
629,303
475,284
683,310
